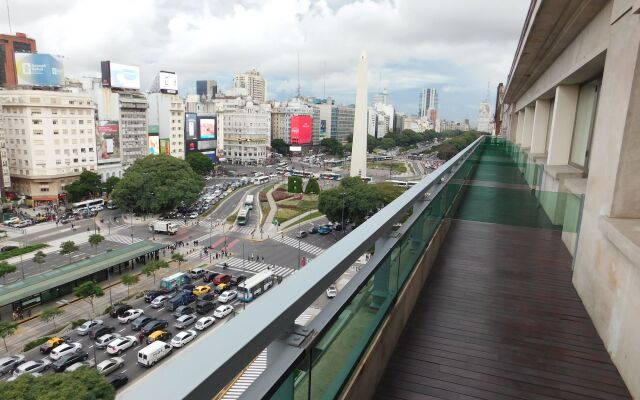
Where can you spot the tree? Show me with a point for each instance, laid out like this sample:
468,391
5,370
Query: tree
280,146
88,291
200,163
152,267
129,280
95,240
6,268
39,257
50,314
387,143
313,187
68,247
179,258
83,383
294,184
157,183
332,146
7,328
111,183
88,185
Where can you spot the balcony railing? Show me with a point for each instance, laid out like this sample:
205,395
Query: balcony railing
316,361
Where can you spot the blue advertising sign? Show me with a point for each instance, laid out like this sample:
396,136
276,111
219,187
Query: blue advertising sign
39,69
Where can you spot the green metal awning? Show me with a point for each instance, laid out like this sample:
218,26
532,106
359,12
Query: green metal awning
68,273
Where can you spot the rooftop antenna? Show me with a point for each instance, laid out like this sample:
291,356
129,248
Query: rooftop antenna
298,74
9,18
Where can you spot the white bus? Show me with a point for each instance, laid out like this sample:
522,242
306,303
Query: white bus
260,180
256,285
404,184
87,204
331,176
243,216
248,201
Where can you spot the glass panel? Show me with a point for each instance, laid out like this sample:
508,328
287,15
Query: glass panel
585,113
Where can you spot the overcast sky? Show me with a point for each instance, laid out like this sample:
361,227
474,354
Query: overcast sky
456,46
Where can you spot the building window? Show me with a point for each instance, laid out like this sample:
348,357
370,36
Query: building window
583,126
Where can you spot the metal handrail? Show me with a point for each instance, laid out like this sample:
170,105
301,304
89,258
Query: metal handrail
204,367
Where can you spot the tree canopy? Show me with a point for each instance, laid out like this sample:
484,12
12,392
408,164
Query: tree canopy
6,268
280,146
111,183
453,146
156,184
88,185
200,163
332,146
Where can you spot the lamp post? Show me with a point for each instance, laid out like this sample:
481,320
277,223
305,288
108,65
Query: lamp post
24,244
344,194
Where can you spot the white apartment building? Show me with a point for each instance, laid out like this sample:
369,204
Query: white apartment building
246,133
281,114
255,84
50,139
166,113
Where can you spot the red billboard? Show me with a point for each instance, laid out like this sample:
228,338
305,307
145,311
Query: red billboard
301,129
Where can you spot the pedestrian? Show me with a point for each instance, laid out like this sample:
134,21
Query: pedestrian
262,258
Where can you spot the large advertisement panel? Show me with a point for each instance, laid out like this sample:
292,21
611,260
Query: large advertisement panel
154,145
206,145
124,76
168,82
164,147
190,127
301,129
207,127
39,69
108,141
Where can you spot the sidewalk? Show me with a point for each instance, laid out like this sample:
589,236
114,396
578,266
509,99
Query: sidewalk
270,229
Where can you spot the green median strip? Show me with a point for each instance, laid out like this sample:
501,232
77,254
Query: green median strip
22,250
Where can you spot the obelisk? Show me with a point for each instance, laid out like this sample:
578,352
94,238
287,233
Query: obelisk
359,145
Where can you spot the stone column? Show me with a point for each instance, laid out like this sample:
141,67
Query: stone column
564,115
520,127
529,111
540,127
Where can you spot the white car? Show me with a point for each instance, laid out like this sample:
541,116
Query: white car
31,367
105,339
108,366
121,344
80,364
84,328
130,315
159,301
332,291
183,338
205,322
227,296
193,215
223,311
185,321
64,349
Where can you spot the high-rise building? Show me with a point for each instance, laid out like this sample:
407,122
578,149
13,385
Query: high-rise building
244,133
206,89
381,98
281,114
484,117
50,139
9,45
428,106
342,118
255,84
166,124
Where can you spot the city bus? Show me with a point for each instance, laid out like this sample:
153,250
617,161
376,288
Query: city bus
256,285
404,184
296,172
260,180
248,201
87,204
330,176
243,216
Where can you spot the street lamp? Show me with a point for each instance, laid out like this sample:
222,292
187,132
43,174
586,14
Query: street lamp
344,194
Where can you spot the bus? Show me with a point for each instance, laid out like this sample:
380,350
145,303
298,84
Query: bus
330,176
260,180
256,285
404,184
248,201
243,216
366,179
296,172
86,205
282,164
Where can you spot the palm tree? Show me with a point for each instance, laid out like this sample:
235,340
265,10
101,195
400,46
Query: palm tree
179,258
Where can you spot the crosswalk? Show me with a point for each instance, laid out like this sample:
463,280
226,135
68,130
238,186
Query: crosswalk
122,239
245,230
303,319
306,247
254,266
253,371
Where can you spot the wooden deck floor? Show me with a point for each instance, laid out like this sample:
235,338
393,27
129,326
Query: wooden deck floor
500,319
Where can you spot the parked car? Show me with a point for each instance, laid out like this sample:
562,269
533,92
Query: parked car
80,364
69,360
324,230
203,307
223,311
140,322
64,349
162,335
182,338
205,322
98,331
201,290
227,296
8,364
158,302
104,340
108,366
121,344
332,291
185,321
154,325
118,311
52,343
313,229
31,367
84,328
118,380
183,310
150,295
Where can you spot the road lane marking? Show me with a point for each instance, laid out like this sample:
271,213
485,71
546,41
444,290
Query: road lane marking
91,347
122,329
124,371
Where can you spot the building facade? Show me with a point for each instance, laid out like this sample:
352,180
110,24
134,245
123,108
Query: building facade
484,118
281,114
428,105
255,84
247,133
50,139
9,45
166,120
206,90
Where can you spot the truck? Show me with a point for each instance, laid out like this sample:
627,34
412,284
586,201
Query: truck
174,281
181,299
153,353
170,228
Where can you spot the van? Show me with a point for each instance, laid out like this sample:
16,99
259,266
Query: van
180,299
196,273
153,353
222,278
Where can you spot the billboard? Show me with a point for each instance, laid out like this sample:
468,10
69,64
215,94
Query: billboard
301,129
120,75
154,145
168,82
191,145
190,125
206,145
108,141
164,147
207,127
39,69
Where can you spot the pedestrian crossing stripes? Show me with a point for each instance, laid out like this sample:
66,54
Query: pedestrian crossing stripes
122,239
245,230
253,371
254,266
306,247
303,319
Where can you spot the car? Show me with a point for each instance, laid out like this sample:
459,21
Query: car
203,306
154,325
52,343
197,273
324,230
80,364
301,234
104,340
140,322
109,365
98,331
64,349
130,315
332,291
208,297
85,327
150,295
119,310
193,215
223,287
68,360
118,380
313,229
187,287
223,311
185,321
235,281
162,335
182,338
209,276
200,290
158,302
227,296
31,367
8,364
121,344
183,310
204,322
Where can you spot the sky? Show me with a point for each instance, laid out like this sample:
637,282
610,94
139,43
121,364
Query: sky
460,47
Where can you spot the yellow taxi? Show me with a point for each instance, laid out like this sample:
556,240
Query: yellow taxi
200,290
221,288
158,335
